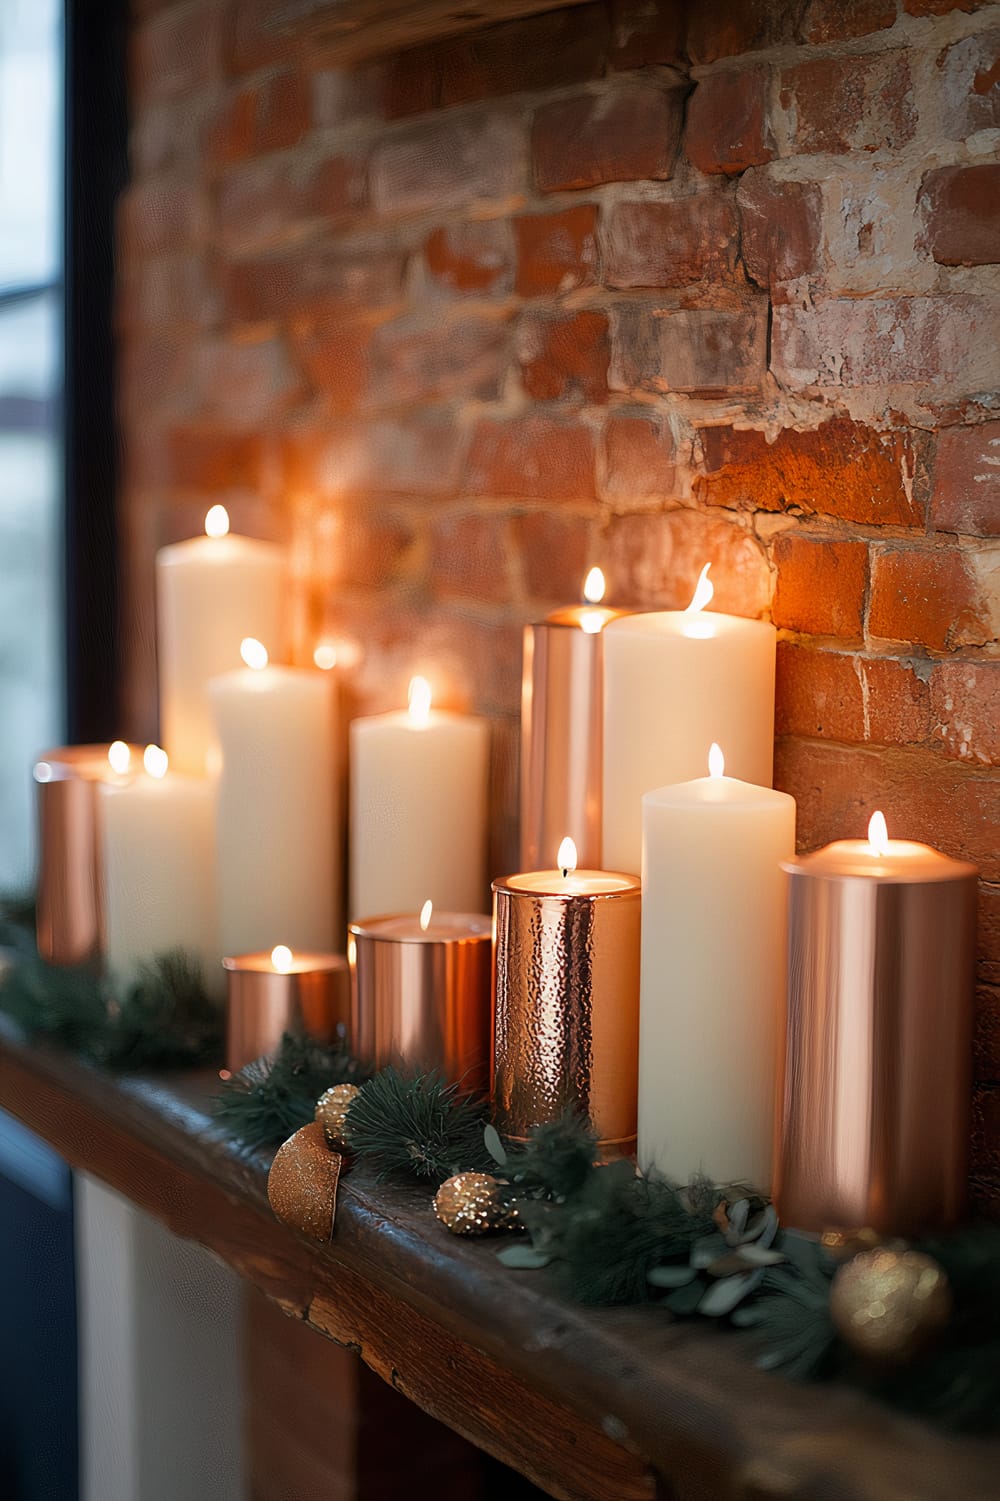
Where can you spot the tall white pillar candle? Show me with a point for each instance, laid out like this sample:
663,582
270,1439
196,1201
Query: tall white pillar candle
277,849
211,592
674,682
712,988
158,835
418,810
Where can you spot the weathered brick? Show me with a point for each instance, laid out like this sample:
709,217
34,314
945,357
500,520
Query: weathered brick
970,85
258,118
647,33
986,1038
259,32
428,359
821,585
449,162
739,26
989,934
245,383
897,702
564,356
269,201
469,556
399,456
344,96
727,127
671,244
841,468
965,701
850,104
841,20
205,457
177,51
942,7
336,354
656,558
534,458
966,494
172,290
708,351
473,257
818,694
556,551
163,214
961,209
781,229
356,543
556,252
312,281
639,458
931,599
621,136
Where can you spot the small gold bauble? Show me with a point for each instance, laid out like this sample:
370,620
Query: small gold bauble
471,1204
888,1304
841,1245
331,1112
302,1183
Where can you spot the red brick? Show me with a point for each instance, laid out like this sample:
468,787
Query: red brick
534,458
468,556
564,356
344,96
270,201
706,351
727,127
942,7
259,32
965,700
639,459
263,117
166,134
177,52
647,33
449,162
970,85
671,244
556,252
821,585
961,209
206,457
622,136
930,599
818,695
556,551
350,542
313,281
897,702
715,31
780,229
850,104
989,934
986,1040
841,468
656,559
336,355
246,383
427,359
401,456
164,214
966,494
167,291
840,20
475,257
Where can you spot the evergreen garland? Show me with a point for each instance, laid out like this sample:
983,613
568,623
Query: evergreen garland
271,1098
418,1126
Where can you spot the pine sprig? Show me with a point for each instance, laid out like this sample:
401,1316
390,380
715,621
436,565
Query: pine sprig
271,1098
419,1126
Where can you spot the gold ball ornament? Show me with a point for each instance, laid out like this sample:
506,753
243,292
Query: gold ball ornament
331,1111
471,1204
302,1183
887,1305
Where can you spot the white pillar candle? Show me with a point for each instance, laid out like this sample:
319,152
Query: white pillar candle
418,809
278,859
211,592
674,682
712,987
158,835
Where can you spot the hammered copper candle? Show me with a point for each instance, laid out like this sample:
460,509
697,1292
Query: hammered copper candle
284,991
70,903
875,1105
562,728
566,1000
422,992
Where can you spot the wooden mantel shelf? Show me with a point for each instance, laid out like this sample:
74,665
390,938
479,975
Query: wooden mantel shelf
603,1405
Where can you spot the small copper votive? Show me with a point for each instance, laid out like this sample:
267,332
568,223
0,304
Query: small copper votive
69,901
269,994
422,993
566,1002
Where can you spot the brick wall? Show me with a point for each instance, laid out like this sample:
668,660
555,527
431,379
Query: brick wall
641,285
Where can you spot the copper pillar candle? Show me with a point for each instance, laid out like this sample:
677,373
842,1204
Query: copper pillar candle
875,1104
268,994
562,729
69,903
422,993
566,1001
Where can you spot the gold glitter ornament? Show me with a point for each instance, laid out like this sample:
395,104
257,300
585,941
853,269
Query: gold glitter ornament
302,1183
331,1112
887,1305
471,1204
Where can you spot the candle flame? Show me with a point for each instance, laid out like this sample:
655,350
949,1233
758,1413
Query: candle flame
716,761
566,858
425,915
704,591
281,958
419,700
878,834
594,587
156,761
325,655
217,522
119,757
254,653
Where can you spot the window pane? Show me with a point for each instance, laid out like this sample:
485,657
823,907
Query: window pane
30,141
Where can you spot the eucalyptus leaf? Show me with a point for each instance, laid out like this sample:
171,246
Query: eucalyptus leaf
723,1296
495,1147
671,1276
523,1258
706,1249
685,1300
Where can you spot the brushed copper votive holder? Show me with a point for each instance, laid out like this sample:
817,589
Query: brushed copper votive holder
422,997
566,1005
311,995
874,1104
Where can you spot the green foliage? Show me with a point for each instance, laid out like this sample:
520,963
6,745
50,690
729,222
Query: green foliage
790,1314
555,1162
419,1126
271,1098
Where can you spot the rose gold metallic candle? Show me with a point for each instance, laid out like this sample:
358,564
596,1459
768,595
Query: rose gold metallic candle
422,992
70,907
875,1105
268,994
562,729
566,1000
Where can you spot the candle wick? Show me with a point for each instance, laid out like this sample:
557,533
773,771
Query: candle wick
565,871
